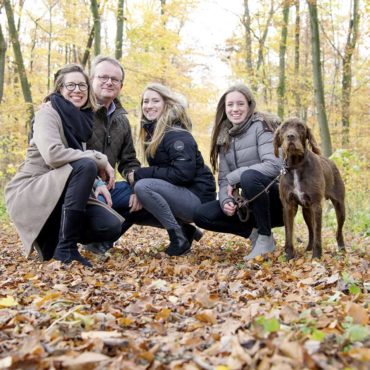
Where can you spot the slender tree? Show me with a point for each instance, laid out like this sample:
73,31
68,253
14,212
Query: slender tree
246,22
90,40
13,34
2,62
282,52
347,70
317,79
119,34
262,40
97,26
297,32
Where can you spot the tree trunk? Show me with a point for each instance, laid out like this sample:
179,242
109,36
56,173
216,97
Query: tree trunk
297,87
347,71
262,40
96,17
119,34
2,62
90,40
282,52
13,34
317,79
50,32
248,42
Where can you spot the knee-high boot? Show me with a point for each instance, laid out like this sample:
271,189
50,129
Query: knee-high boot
69,235
179,244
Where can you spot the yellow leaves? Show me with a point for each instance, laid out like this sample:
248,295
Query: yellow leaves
204,310
359,314
125,321
9,301
207,316
362,354
163,314
52,296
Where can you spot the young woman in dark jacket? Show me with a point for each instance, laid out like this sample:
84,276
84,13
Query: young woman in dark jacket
177,181
242,151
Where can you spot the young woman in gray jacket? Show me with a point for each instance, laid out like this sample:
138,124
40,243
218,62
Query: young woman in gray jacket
242,152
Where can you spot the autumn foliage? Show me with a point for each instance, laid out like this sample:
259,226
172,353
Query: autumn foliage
138,308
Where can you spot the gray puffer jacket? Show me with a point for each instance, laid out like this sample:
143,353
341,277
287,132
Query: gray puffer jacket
250,148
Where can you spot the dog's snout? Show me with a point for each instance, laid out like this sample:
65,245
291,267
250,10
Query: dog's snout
291,136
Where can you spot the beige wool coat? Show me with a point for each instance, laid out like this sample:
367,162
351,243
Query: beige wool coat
34,191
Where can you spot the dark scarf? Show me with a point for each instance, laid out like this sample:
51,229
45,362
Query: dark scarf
149,127
77,124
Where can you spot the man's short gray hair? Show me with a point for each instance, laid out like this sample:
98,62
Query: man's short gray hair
101,58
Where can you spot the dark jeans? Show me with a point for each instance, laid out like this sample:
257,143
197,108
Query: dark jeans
99,224
120,203
252,183
265,213
120,196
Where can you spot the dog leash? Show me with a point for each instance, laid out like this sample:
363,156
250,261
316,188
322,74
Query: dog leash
242,203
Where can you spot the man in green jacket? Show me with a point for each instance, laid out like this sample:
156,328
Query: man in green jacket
112,136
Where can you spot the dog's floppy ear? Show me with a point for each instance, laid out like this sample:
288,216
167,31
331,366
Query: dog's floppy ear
315,148
277,141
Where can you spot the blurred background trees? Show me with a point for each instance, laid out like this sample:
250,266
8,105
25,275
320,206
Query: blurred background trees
300,57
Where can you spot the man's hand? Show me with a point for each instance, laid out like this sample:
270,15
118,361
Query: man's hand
134,203
107,174
229,209
103,190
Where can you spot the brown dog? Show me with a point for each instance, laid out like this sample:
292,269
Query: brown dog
308,179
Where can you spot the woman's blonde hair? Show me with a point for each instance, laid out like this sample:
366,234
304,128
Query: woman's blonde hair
174,117
59,81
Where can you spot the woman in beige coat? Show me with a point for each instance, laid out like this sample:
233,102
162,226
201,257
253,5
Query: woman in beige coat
48,197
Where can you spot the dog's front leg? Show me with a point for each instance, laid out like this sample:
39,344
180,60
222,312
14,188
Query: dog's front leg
290,211
317,213
309,219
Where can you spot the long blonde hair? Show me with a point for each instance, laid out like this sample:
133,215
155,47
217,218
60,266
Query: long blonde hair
174,117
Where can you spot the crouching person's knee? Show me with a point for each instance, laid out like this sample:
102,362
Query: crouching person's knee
103,225
110,229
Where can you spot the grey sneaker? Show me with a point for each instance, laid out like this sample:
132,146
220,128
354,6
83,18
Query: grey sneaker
253,237
264,244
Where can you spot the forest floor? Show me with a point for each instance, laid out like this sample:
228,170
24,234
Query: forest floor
139,309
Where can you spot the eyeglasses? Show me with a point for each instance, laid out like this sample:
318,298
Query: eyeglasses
71,86
113,80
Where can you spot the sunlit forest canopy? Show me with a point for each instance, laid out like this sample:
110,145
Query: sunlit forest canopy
198,48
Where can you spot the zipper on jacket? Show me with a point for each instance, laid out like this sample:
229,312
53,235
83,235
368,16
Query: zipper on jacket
234,151
108,138
63,222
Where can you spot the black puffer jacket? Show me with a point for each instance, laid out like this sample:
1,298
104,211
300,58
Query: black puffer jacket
113,137
179,162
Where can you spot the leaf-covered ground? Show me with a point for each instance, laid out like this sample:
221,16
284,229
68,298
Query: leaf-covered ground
139,309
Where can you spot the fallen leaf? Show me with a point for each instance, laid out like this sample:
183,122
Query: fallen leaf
206,316
9,301
359,314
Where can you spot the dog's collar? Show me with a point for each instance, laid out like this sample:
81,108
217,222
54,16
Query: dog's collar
286,167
